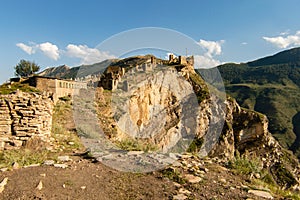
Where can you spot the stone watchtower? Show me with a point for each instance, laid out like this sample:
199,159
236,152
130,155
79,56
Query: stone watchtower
111,77
171,58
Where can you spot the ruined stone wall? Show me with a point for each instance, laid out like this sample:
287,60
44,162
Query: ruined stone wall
44,84
59,88
24,116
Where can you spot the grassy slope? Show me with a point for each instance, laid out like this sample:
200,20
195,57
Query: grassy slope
10,88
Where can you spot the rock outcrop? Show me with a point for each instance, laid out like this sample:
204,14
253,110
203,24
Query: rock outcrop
24,117
159,109
246,132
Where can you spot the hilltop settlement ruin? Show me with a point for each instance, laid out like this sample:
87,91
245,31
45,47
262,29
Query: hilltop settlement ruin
28,116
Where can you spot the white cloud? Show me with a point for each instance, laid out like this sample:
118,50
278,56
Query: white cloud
285,32
284,42
50,50
201,61
212,47
244,43
167,56
28,49
86,54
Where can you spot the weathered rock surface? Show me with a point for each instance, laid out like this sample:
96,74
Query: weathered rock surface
246,132
262,194
160,108
2,184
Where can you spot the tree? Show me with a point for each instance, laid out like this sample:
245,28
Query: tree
26,68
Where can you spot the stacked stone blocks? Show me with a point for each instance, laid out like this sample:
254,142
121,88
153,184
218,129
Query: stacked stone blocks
24,116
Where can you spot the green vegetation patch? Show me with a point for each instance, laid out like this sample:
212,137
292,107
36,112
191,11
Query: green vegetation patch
270,86
199,86
195,146
173,175
130,144
63,128
23,157
8,88
244,164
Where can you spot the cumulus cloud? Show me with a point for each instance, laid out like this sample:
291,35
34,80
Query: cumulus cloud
201,61
212,49
48,49
86,54
284,41
28,49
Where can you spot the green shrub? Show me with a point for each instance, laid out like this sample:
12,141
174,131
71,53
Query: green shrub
244,164
23,157
173,175
195,146
129,144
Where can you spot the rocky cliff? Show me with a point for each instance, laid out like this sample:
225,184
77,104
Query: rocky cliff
174,110
158,108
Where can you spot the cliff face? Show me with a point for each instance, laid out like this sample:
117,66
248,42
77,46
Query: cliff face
159,108
165,109
246,132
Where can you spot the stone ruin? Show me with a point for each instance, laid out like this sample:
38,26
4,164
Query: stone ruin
181,60
57,87
113,74
111,77
23,117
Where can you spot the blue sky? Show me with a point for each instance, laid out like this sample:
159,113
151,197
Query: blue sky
57,32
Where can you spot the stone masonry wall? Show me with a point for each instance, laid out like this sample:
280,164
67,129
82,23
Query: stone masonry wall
24,116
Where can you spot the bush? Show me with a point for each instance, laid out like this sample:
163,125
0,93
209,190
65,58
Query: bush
23,157
195,146
244,164
26,68
173,175
129,144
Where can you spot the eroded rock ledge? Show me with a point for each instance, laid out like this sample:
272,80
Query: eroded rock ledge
246,132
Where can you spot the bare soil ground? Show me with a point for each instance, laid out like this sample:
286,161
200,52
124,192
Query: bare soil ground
84,179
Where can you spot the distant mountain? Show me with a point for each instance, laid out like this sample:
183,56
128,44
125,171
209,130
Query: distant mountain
85,70
57,72
291,57
66,72
270,85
